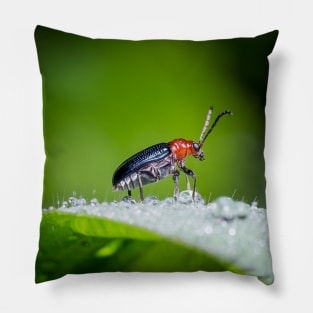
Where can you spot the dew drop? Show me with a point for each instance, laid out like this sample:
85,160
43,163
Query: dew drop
128,199
151,200
94,202
254,205
81,201
186,197
242,210
169,200
72,201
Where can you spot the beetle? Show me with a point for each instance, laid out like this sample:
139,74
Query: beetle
159,161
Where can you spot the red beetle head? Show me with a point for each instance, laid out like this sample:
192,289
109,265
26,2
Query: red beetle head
197,151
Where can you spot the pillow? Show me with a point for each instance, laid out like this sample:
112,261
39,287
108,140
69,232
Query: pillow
106,101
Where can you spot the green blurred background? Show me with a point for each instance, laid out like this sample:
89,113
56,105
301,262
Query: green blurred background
105,100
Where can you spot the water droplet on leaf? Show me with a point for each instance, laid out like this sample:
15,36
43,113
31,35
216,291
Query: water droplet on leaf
151,200
128,199
72,201
81,201
94,202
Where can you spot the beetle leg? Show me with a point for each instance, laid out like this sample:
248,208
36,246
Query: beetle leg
189,172
128,190
175,178
187,182
140,187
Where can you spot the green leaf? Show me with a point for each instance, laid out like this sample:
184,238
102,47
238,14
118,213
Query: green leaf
145,238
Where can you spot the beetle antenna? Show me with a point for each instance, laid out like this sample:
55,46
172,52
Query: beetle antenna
206,124
202,140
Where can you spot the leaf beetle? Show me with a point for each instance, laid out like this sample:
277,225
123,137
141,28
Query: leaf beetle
159,161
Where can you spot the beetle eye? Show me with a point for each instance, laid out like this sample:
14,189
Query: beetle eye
196,146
